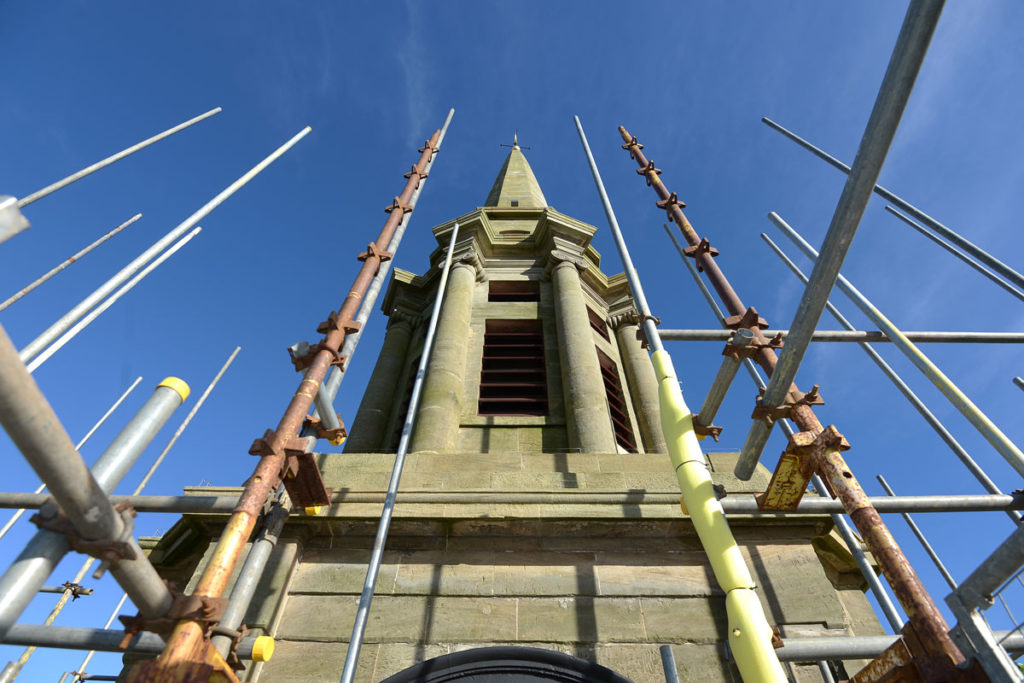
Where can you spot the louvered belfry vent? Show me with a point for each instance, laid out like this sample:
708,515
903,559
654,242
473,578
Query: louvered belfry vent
513,379
513,290
598,324
616,402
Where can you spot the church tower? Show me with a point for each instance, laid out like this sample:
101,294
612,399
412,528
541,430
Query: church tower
537,510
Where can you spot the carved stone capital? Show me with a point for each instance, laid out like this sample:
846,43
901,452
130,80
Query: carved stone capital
469,257
628,316
557,257
399,316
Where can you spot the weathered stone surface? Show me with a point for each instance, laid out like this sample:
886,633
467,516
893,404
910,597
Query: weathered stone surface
304,662
581,619
341,571
684,619
792,585
703,663
655,576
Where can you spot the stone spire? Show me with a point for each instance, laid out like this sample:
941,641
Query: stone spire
516,184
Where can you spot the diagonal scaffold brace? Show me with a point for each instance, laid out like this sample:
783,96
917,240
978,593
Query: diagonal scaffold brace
818,449
284,458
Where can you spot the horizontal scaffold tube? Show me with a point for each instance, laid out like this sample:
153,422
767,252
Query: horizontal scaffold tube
927,337
861,647
734,504
107,640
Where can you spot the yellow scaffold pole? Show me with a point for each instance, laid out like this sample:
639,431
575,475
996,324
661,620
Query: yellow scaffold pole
750,635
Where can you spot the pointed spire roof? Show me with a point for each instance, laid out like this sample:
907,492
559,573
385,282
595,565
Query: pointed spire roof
516,183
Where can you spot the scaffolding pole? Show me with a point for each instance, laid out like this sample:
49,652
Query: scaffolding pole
27,289
184,423
991,261
324,408
739,504
62,341
750,635
852,335
85,514
815,448
103,163
853,543
959,254
959,451
78,446
907,57
280,450
36,346
1010,452
101,640
355,641
92,653
921,537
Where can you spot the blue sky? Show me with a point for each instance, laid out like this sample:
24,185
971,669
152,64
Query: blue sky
691,80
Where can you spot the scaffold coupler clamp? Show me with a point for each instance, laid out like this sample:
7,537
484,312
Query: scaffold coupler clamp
426,145
372,250
750,350
335,436
77,590
420,175
649,172
704,431
299,472
794,399
749,319
236,636
109,551
698,250
303,353
667,204
396,203
633,142
641,334
202,609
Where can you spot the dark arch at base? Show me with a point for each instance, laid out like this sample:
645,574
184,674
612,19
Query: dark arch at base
506,664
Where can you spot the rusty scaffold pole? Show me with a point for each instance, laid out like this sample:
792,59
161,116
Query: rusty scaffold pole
816,449
284,458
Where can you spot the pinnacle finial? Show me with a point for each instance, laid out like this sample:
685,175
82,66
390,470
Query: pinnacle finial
515,138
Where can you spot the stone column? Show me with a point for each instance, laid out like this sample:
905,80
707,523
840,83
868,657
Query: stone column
382,392
586,406
440,411
643,384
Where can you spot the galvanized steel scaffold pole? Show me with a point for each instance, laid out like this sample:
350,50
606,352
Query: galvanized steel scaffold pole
283,459
995,436
184,423
734,504
324,408
856,336
991,261
86,514
916,33
36,346
959,254
78,446
1019,382
61,342
822,447
88,170
750,635
974,594
92,653
921,537
959,451
853,543
148,475
65,263
355,641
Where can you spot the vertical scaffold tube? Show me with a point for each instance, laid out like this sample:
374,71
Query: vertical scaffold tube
750,635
